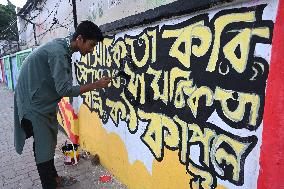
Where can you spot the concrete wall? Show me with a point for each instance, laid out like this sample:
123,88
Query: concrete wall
17,64
10,66
54,10
14,70
107,11
2,76
53,19
100,12
192,114
8,72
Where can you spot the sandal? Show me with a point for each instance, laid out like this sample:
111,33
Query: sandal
63,181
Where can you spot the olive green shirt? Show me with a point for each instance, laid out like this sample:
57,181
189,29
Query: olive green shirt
45,77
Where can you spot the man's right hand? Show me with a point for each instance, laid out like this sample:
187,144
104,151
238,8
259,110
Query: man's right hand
101,83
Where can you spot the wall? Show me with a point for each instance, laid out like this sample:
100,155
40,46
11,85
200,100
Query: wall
21,25
8,72
53,19
14,70
190,111
102,12
16,61
21,56
1,71
10,66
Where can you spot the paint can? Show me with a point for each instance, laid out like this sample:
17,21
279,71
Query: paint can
70,152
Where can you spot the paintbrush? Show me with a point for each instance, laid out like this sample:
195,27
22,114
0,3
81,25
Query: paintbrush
122,74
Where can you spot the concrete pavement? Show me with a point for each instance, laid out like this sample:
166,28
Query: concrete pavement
19,171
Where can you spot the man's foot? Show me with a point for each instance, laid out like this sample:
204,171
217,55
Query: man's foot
63,181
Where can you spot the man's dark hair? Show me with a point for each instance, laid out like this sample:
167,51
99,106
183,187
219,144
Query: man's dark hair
88,30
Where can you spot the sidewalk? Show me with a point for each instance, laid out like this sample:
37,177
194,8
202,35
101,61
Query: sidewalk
19,171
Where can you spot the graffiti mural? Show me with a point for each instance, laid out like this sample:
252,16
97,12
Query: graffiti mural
175,77
68,119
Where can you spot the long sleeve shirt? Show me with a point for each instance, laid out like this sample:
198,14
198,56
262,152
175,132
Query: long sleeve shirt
45,77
